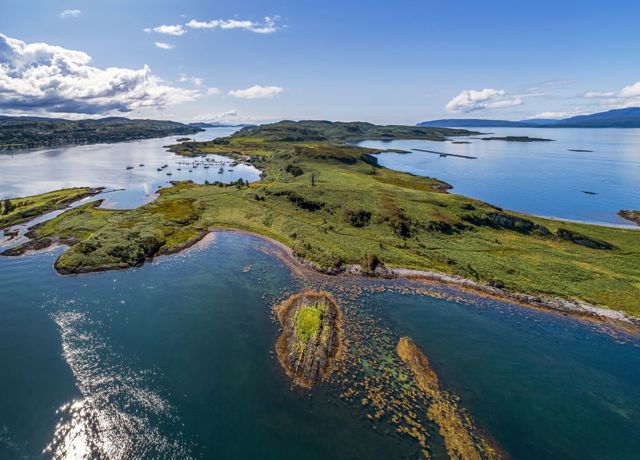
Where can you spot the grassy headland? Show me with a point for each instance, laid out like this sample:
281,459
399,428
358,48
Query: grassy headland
334,206
19,210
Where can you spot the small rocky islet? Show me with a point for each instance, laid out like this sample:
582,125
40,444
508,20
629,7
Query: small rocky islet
311,337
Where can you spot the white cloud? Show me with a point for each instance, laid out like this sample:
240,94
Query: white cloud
233,116
175,30
628,96
554,115
70,14
256,92
267,27
164,46
190,79
38,77
472,100
213,91
630,91
227,117
598,94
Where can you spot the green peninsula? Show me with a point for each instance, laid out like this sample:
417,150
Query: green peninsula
337,209
31,132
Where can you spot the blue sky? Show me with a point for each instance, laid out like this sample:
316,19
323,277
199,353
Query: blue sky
393,62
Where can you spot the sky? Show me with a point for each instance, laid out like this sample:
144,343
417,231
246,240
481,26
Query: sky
256,61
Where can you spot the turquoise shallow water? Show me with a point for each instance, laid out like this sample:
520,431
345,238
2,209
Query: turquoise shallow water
541,178
172,360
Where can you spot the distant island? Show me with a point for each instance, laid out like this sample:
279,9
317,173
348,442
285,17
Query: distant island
31,132
619,118
516,139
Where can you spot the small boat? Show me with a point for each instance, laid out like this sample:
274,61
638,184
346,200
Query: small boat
159,169
168,174
179,169
141,165
129,167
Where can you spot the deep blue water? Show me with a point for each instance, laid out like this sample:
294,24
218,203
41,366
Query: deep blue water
541,178
172,360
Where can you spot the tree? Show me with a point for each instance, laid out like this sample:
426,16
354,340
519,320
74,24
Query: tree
7,207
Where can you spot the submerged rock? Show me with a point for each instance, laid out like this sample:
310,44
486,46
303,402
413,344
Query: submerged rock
461,437
311,338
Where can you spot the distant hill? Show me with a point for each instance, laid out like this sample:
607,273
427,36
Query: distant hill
30,132
322,130
618,118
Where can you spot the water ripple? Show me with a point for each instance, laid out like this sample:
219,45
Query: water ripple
121,414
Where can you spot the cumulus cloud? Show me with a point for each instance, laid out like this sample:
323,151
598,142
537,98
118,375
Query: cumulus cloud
268,26
175,30
628,96
631,90
213,91
46,78
256,92
70,14
472,100
164,46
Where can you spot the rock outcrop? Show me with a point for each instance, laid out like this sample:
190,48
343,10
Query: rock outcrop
633,216
582,240
500,220
311,338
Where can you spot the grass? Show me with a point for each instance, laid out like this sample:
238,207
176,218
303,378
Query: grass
338,207
16,211
308,321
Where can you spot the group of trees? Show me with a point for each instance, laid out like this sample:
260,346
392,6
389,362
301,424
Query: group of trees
7,207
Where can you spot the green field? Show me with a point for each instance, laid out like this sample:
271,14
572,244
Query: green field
333,205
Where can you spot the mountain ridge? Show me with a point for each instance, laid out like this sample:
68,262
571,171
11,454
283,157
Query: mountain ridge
616,118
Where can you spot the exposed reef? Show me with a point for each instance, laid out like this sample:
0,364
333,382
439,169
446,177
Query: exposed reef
461,437
311,338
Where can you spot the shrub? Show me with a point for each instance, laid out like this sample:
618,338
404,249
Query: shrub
357,218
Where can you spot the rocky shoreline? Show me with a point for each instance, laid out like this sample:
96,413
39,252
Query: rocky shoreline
576,308
560,305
